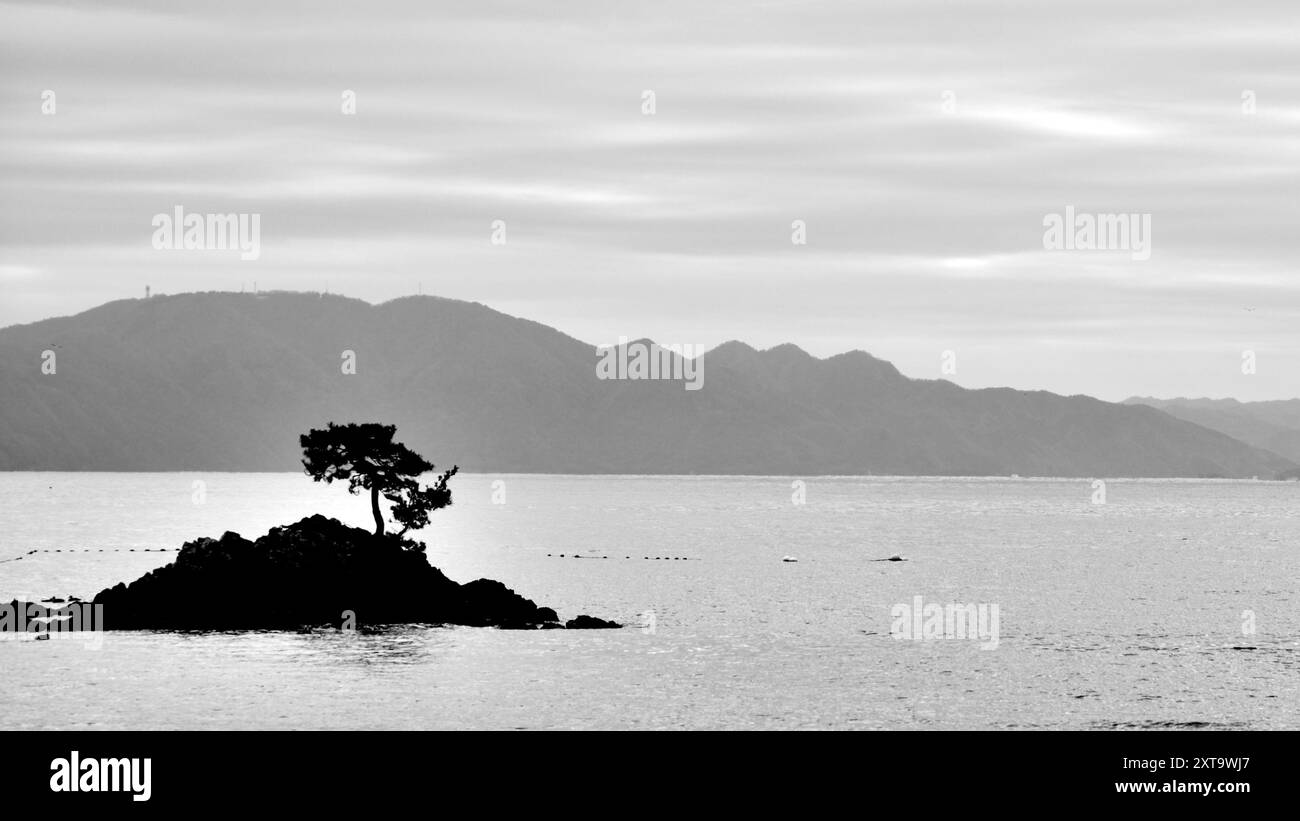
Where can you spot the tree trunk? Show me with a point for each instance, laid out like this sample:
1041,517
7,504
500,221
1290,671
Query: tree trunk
374,508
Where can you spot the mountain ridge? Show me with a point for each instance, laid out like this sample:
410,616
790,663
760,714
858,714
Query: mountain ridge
226,381
1272,424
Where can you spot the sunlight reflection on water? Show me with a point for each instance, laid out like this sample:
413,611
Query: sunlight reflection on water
1127,614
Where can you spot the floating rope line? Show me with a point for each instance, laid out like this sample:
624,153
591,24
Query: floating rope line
93,550
653,558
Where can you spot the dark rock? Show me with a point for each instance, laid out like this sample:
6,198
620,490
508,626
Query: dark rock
590,623
306,574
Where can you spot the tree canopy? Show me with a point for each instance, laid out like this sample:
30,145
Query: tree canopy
365,456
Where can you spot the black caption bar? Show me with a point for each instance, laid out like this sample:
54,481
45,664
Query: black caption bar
124,772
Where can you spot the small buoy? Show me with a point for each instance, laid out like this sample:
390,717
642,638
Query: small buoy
789,559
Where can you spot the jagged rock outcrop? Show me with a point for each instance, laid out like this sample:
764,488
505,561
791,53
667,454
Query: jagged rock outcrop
315,572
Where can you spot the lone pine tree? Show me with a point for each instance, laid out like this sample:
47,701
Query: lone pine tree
365,456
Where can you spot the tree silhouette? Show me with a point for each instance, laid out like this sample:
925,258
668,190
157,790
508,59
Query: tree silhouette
366,456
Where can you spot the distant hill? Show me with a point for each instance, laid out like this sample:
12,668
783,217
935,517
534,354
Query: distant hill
225,381
1273,425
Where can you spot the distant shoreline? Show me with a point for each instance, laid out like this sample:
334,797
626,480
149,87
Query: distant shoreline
772,476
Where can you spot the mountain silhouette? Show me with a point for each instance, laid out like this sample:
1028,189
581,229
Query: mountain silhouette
227,381
1271,425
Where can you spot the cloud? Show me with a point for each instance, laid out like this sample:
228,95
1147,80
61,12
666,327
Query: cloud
924,219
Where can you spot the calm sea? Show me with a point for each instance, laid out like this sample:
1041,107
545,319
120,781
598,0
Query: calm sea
1173,604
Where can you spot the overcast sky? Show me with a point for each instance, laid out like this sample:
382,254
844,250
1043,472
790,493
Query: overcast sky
921,143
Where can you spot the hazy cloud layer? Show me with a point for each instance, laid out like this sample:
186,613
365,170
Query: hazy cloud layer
924,222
